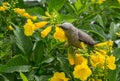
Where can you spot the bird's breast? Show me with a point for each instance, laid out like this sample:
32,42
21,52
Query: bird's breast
73,39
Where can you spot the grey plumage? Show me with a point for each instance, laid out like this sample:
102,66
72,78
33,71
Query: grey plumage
75,36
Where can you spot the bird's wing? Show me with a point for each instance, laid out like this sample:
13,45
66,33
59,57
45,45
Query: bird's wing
84,37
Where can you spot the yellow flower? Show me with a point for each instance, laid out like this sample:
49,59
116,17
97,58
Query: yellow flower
100,1
29,28
60,34
106,43
2,8
118,1
103,52
46,31
40,24
71,59
23,12
33,17
10,27
77,59
5,6
26,15
97,59
82,71
111,62
110,43
59,77
19,11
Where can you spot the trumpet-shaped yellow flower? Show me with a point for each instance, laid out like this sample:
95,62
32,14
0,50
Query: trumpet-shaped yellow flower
111,62
106,43
102,52
33,17
40,24
100,1
4,6
23,12
77,59
29,28
59,77
60,34
106,46
19,11
97,60
46,31
82,71
27,15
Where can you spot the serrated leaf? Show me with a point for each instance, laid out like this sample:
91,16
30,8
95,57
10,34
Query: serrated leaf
24,78
11,69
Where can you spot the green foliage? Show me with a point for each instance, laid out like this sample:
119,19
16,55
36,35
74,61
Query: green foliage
23,77
23,42
33,58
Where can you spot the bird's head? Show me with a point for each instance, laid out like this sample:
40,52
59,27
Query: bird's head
67,26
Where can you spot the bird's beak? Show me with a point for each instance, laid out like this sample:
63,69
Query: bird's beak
62,27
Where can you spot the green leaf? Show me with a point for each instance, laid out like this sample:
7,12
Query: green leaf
23,42
116,52
68,18
78,5
24,78
17,60
48,60
44,78
99,20
112,76
55,4
11,69
4,77
21,3
112,34
39,52
98,31
36,11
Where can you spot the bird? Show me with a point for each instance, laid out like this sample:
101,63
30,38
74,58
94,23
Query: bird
75,36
